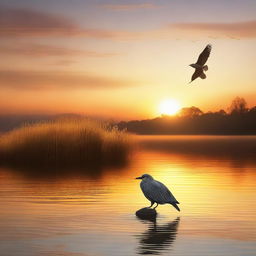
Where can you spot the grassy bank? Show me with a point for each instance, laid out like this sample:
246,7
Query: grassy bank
63,143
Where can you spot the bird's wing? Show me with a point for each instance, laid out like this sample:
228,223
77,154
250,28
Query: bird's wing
158,192
203,57
196,74
146,191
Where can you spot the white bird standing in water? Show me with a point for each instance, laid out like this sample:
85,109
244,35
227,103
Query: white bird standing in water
157,192
199,65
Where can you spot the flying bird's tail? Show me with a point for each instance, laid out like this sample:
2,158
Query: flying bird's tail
175,206
203,75
205,67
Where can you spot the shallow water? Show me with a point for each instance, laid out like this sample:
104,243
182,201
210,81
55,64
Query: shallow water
213,177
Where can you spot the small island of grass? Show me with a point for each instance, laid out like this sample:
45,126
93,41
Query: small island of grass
65,143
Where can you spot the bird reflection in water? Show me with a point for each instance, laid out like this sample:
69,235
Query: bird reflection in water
158,238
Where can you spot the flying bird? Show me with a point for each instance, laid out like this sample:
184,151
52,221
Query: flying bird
200,66
157,192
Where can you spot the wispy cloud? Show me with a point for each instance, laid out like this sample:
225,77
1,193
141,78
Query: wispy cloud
57,80
246,29
31,23
25,22
40,50
64,62
129,7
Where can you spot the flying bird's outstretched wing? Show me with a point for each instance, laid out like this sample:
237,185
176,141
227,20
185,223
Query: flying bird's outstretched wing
203,57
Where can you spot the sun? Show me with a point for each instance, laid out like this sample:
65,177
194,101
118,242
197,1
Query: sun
169,107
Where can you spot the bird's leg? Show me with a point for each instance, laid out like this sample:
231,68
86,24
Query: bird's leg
152,203
155,206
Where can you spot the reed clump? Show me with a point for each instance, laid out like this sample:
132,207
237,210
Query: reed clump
65,143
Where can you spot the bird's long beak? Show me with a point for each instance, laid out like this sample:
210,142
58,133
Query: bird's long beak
138,178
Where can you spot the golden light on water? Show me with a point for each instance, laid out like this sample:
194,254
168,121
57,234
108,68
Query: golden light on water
80,209
169,107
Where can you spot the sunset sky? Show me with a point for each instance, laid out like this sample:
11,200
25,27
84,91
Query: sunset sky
121,59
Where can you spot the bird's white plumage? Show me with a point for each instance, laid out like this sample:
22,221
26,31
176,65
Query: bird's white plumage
156,191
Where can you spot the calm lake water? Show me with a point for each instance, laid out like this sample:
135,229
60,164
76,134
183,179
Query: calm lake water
213,177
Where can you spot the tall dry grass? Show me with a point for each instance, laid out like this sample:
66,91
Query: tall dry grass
63,143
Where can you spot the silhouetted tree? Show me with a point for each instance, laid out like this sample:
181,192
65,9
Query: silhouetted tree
221,112
239,120
238,106
190,112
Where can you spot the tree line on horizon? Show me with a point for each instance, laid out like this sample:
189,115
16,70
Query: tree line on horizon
237,120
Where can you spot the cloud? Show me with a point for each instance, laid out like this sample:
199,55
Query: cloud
40,50
25,22
129,7
246,29
32,23
57,80
64,62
